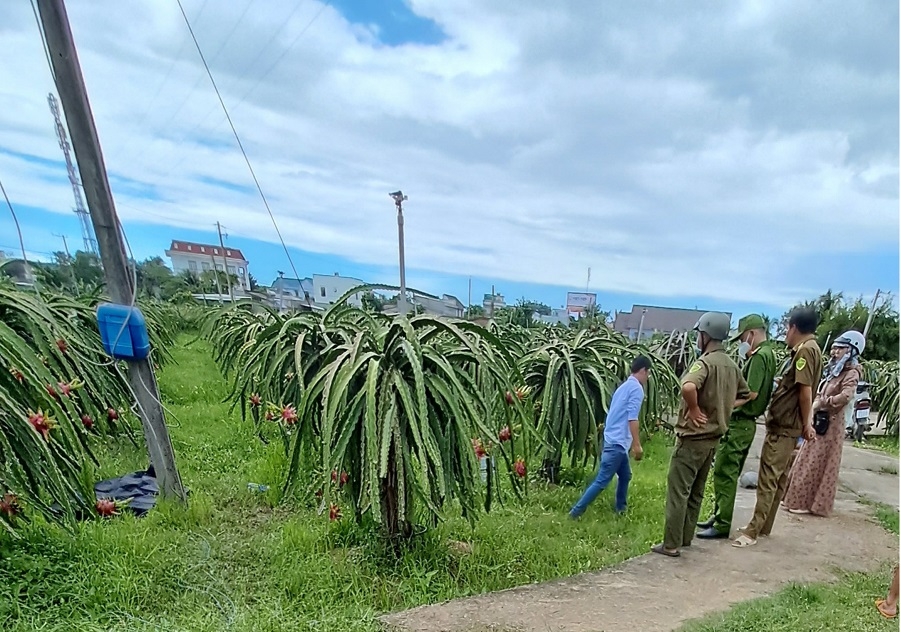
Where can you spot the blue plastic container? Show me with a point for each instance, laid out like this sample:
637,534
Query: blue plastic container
123,331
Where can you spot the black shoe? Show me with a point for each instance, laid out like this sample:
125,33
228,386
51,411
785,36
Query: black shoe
707,524
712,534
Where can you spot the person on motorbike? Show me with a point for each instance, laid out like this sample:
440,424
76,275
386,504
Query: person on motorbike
814,478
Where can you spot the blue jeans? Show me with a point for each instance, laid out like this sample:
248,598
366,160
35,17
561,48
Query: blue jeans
614,460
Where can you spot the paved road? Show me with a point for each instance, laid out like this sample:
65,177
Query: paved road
655,594
869,474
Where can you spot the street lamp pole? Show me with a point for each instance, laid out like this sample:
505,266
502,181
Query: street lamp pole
641,323
399,199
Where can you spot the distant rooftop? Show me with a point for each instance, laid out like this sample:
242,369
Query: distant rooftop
205,249
664,319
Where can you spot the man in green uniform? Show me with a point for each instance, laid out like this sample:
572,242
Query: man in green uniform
759,372
711,389
790,416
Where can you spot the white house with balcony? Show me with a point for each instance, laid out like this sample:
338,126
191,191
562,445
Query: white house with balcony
187,256
328,289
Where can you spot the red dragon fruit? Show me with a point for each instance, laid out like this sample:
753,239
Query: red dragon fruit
520,468
334,512
479,448
106,507
87,422
9,506
41,423
505,434
289,415
62,346
256,400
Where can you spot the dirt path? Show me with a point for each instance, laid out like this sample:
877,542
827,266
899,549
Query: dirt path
656,594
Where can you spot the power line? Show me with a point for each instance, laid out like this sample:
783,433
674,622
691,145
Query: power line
213,58
159,89
37,20
238,139
271,67
16,220
285,52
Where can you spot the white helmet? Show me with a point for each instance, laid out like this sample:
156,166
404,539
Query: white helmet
853,339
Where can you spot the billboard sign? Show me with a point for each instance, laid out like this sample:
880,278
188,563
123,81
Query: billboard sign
576,302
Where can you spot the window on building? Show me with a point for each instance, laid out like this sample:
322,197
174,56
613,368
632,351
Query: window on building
231,269
240,271
202,249
219,267
189,246
192,266
215,251
322,291
205,265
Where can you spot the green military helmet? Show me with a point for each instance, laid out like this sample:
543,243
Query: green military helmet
715,324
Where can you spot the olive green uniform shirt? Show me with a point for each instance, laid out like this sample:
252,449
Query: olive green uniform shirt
719,382
804,367
759,372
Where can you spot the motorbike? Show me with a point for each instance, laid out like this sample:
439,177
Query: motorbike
857,419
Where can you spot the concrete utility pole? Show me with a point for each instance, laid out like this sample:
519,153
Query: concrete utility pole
281,291
399,199
65,245
216,278
491,315
641,323
871,315
69,262
231,290
469,301
82,131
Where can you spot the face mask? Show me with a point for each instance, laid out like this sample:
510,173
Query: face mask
743,350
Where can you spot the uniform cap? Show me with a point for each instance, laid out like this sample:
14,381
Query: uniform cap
749,322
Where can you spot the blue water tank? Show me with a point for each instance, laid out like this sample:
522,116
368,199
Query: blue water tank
123,331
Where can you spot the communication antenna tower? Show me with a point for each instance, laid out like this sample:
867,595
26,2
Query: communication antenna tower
87,231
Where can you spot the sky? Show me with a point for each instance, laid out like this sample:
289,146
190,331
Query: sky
738,156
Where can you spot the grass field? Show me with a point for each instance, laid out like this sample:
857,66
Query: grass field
883,444
233,561
846,605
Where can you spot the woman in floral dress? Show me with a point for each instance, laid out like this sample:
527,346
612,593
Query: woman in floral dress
814,477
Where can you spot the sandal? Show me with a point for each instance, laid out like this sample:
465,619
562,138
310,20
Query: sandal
879,604
743,542
659,548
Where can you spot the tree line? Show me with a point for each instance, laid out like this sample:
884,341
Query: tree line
154,279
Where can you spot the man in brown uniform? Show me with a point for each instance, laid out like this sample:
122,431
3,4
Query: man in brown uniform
790,416
711,389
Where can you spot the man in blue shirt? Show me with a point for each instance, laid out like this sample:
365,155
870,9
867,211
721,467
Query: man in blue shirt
620,435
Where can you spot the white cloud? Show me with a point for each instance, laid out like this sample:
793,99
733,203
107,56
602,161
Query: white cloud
675,154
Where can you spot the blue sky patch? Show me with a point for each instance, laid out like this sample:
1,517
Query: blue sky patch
395,23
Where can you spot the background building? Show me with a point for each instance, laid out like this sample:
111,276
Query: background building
495,302
196,258
328,289
650,319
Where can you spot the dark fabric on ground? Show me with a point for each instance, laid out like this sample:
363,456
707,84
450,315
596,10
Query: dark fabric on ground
140,488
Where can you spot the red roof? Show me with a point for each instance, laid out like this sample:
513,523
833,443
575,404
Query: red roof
205,249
